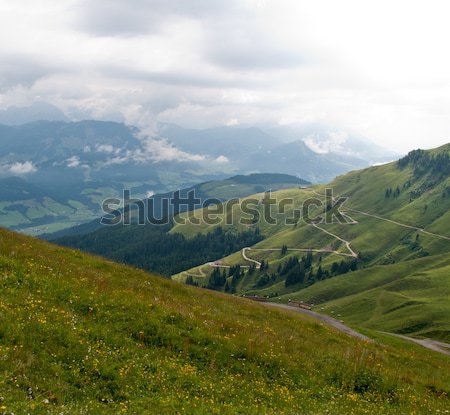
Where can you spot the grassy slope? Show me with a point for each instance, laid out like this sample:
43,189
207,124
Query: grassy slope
81,334
379,242
409,297
234,187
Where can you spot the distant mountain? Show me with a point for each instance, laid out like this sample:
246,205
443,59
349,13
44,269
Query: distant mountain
233,142
314,152
233,187
78,164
15,188
35,112
335,142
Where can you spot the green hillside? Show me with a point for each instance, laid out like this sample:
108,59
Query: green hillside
409,298
79,334
398,220
233,187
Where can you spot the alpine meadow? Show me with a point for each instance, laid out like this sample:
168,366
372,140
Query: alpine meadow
224,207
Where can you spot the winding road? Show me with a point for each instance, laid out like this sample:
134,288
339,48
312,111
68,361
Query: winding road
436,346
347,243
440,347
330,320
401,224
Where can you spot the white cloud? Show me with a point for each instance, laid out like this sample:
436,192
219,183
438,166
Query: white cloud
222,159
22,168
105,148
162,150
152,149
73,161
379,69
329,142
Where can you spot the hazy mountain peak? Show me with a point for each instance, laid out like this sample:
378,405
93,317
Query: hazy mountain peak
37,111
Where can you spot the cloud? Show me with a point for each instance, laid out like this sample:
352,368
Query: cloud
327,142
243,45
73,161
21,69
105,148
222,159
22,168
155,150
135,17
202,63
160,150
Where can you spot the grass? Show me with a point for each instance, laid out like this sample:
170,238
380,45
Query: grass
409,298
389,252
79,334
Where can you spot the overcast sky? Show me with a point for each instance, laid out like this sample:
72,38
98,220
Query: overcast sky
376,68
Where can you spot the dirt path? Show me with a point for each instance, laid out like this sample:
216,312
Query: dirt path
386,219
258,264
244,255
347,243
330,320
401,224
435,345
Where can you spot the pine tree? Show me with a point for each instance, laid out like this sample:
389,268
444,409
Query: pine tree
309,260
334,268
319,274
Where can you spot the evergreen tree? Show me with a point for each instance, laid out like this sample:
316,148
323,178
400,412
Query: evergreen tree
320,273
353,265
309,260
334,268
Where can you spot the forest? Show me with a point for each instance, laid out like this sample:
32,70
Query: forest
153,248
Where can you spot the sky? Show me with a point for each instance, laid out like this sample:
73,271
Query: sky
379,69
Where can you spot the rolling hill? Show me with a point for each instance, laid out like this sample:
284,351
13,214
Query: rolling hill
386,267
153,248
79,334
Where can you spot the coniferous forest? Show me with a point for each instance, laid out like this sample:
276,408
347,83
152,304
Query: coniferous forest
153,248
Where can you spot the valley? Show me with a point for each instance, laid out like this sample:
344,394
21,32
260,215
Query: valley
370,268
224,207
412,240
372,274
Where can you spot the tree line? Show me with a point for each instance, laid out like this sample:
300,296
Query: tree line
153,248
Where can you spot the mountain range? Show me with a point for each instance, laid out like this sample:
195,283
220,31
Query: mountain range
73,166
271,293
